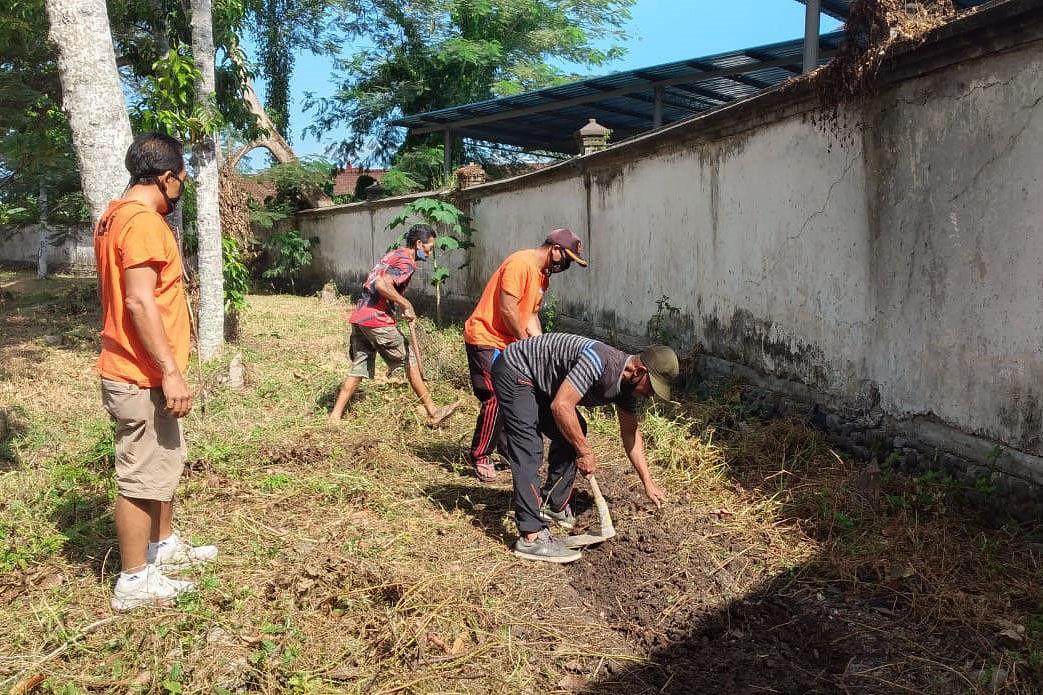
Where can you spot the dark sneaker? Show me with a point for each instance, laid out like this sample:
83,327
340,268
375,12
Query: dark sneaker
545,548
565,518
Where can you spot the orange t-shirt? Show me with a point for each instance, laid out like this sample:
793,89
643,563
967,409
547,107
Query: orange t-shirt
130,234
521,276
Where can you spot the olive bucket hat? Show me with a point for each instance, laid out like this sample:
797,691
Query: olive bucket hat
663,369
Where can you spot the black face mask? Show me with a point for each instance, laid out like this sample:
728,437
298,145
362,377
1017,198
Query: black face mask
171,202
627,388
560,266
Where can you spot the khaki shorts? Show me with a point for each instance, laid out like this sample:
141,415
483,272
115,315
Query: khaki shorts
150,448
364,344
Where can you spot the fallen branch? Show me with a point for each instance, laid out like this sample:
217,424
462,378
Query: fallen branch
61,650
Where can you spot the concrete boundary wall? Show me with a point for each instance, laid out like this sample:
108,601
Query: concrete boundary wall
20,246
884,262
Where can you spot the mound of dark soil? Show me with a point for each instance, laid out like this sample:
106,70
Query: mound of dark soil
697,600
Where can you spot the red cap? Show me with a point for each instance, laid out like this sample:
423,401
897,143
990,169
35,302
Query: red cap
568,241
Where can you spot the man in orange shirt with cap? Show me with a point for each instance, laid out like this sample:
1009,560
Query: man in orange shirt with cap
144,353
508,311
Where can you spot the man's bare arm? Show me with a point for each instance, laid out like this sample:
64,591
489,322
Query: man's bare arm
563,408
511,315
634,445
534,327
386,288
140,301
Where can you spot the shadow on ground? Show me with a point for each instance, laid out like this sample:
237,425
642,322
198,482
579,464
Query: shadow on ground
486,505
897,598
13,427
37,315
86,520
489,505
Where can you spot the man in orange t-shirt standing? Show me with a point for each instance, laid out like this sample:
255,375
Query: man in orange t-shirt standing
508,311
144,353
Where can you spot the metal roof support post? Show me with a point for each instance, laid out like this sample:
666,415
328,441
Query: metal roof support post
812,12
447,156
657,108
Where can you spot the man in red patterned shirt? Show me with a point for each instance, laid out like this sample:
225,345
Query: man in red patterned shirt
374,329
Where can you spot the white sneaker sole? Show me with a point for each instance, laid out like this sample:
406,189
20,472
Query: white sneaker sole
129,604
544,558
166,567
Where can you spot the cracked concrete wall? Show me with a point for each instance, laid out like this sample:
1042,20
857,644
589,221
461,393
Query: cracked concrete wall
892,261
349,243
956,246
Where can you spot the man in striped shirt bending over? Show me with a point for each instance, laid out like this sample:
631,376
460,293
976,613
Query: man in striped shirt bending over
539,382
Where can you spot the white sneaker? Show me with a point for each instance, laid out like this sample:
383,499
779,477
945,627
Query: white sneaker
174,554
149,587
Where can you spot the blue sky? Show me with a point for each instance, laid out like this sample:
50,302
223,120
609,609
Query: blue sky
661,31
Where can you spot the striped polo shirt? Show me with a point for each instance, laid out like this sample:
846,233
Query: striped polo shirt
594,368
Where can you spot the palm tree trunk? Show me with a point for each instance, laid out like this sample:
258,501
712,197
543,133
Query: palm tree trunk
208,217
93,98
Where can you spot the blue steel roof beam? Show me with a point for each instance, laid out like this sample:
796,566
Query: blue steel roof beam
560,121
668,103
615,109
741,79
540,128
706,94
554,123
488,133
793,68
653,78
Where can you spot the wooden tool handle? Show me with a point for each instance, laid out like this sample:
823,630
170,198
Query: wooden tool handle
604,517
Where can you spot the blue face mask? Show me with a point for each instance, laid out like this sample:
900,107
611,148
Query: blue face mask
420,255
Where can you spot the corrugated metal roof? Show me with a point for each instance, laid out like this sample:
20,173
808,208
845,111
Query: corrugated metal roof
545,119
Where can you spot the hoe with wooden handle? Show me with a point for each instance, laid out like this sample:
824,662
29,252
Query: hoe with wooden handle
606,530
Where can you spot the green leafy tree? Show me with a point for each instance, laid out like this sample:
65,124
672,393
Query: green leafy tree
416,169
283,28
35,140
293,181
167,99
236,274
454,233
290,254
430,54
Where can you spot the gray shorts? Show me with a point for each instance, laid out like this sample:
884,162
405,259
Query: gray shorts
364,344
150,448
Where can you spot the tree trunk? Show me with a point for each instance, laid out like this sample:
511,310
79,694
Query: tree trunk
273,142
208,218
44,240
176,220
93,98
159,30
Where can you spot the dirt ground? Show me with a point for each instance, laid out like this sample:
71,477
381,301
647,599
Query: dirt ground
365,558
711,625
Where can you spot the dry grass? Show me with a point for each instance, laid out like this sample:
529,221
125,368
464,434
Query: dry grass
361,558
